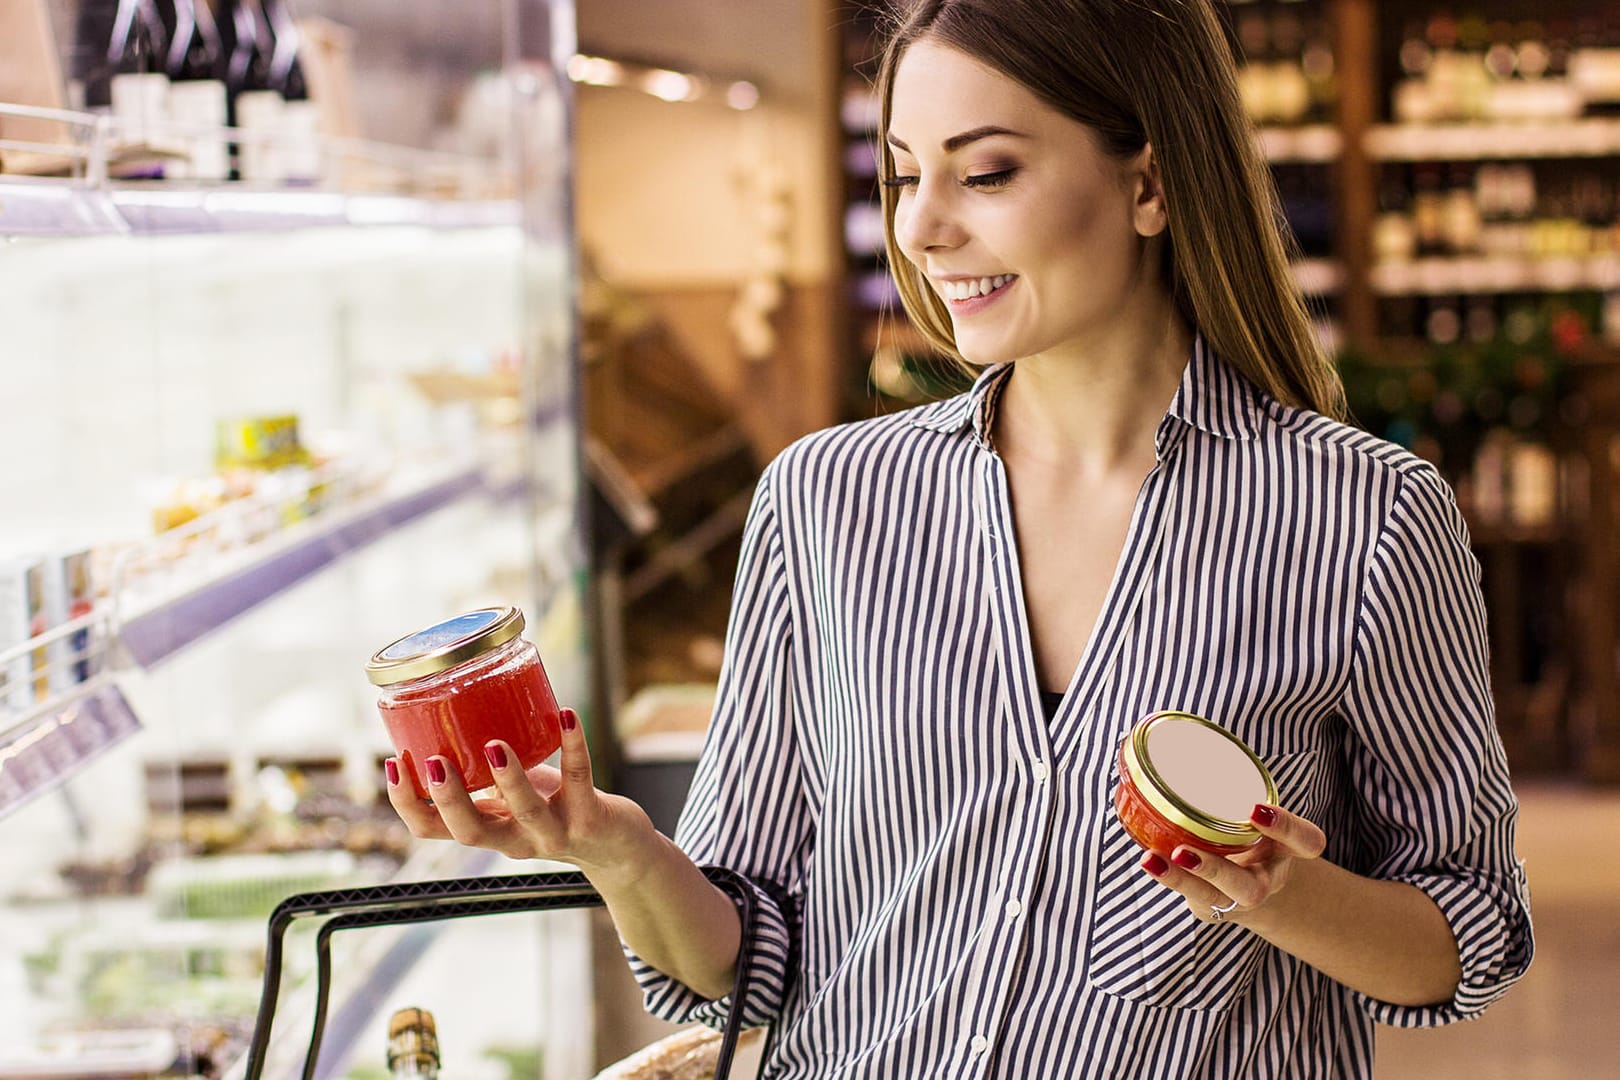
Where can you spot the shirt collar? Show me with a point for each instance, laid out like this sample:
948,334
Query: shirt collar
1212,397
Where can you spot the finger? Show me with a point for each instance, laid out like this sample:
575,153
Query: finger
450,798
576,759
1202,898
1294,833
419,815
522,800
1232,881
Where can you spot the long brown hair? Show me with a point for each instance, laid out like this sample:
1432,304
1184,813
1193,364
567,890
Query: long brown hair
1138,72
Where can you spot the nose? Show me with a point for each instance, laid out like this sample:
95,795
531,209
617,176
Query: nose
924,221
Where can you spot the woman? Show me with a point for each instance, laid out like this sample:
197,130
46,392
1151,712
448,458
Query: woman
945,621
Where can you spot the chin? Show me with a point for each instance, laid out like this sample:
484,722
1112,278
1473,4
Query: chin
984,354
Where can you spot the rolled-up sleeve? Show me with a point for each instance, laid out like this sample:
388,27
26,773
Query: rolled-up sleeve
1436,808
746,810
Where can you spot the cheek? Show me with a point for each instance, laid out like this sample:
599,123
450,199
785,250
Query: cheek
1083,242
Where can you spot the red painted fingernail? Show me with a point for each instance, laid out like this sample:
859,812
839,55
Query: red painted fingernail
1187,860
1155,865
570,720
391,770
435,769
496,753
1264,815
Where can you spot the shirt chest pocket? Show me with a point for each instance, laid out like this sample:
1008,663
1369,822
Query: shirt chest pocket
1145,945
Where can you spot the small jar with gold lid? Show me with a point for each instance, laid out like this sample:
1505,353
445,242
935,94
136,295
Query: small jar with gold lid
448,689
413,1045
1186,781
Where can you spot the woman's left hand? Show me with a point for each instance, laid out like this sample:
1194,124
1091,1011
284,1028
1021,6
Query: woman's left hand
1220,888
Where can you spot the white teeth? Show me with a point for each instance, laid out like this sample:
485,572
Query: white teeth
967,290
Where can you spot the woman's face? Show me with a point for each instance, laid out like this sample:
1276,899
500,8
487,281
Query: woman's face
1029,232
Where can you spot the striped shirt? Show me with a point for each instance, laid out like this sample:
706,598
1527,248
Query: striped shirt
966,902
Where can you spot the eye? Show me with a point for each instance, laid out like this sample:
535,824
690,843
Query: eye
900,182
989,180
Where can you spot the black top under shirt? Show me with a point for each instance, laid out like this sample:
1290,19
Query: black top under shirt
1050,700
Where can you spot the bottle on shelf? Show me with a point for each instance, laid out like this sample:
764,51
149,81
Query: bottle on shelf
1394,238
1429,208
1254,70
300,157
413,1045
120,54
255,108
195,64
1290,89
1320,70
1460,217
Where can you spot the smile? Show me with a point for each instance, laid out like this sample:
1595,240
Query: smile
973,288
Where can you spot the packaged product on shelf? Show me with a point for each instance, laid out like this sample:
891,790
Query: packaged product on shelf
259,442
25,680
69,596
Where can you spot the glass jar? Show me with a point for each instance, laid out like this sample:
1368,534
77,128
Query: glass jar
449,689
413,1045
1185,781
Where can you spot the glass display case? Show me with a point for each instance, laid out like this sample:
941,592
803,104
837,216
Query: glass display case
253,426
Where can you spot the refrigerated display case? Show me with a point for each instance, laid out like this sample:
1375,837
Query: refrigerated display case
250,431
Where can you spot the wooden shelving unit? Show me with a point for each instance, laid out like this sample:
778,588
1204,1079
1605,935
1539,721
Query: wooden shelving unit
1553,586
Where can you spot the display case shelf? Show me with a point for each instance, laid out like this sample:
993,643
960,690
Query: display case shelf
1306,144
57,208
157,631
1596,136
148,322
1492,274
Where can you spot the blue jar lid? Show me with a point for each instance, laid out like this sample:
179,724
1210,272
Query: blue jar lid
443,645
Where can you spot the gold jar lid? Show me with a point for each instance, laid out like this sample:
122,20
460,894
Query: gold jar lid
1198,776
442,646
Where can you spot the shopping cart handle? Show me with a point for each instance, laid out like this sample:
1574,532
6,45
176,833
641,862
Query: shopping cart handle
430,901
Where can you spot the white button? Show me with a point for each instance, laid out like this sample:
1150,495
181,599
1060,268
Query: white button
1039,769
1014,909
978,1044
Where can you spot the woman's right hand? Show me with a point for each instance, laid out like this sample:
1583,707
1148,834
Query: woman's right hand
546,813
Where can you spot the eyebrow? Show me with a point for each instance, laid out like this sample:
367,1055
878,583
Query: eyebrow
956,142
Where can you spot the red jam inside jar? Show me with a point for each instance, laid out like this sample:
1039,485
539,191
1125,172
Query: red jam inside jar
1186,782
447,690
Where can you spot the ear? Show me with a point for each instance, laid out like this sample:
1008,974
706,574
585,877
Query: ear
1151,213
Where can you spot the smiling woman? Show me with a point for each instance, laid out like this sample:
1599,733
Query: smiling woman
946,621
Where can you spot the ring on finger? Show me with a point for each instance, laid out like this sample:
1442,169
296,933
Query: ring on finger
1217,912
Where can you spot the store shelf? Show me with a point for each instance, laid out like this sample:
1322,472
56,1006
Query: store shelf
44,747
1586,137
1486,274
1307,144
58,208
156,632
1319,277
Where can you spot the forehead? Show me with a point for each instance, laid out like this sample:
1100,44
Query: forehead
939,90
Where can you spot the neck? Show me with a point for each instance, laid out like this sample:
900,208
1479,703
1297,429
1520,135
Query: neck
1094,408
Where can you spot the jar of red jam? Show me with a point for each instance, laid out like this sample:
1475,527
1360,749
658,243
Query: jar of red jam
452,687
1184,780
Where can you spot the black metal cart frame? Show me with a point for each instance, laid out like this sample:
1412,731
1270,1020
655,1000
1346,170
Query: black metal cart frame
432,901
